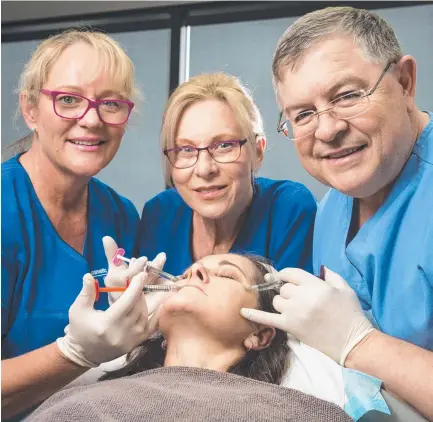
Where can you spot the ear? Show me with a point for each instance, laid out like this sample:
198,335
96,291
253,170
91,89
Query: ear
406,68
28,110
261,339
260,150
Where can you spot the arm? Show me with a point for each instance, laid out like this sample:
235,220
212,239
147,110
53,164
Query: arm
326,315
405,369
31,378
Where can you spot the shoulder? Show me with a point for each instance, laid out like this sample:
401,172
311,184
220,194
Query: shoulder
287,195
12,169
167,201
106,197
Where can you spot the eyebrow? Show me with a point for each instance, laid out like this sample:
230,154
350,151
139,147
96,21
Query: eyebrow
214,139
337,86
79,91
225,262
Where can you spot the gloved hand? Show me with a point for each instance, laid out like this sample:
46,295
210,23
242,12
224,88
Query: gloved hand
325,315
93,336
118,274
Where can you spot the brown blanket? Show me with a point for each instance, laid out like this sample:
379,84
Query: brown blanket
185,394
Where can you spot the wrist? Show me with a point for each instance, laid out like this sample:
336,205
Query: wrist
355,356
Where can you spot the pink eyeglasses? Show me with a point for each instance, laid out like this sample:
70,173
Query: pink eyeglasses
74,107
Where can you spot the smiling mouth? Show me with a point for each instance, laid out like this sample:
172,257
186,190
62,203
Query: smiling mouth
210,189
345,153
86,143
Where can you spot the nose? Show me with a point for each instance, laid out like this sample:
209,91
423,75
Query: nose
206,166
329,127
91,119
198,271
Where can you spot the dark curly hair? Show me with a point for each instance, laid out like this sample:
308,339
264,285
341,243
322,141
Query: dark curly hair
268,365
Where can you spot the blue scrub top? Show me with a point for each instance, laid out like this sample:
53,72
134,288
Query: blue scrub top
389,263
278,226
41,274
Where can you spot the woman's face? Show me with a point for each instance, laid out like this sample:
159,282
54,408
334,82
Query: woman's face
79,147
215,289
213,190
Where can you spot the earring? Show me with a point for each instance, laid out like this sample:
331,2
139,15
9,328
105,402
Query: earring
164,345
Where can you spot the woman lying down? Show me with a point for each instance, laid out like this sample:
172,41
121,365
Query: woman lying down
206,363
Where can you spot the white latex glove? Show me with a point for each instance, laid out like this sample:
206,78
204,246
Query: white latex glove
93,336
118,274
325,315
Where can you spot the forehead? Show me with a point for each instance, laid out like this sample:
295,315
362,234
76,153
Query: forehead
205,119
324,65
80,65
213,261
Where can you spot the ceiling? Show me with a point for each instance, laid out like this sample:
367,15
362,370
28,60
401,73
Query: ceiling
28,10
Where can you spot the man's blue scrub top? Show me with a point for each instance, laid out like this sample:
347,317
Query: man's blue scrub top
278,226
41,274
389,263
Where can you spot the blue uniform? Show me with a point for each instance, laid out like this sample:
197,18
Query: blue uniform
41,274
389,263
278,226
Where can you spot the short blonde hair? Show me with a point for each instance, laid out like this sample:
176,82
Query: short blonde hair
219,86
112,57
368,30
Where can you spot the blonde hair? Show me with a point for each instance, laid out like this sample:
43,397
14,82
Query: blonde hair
218,86
369,31
111,55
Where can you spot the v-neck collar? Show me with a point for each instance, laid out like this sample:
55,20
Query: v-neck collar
69,249
407,176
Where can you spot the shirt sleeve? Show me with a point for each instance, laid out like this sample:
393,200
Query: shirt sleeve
293,225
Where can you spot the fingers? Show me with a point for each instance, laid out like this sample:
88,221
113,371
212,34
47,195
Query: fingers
136,266
264,318
297,276
157,300
86,297
159,261
334,279
130,297
110,249
154,321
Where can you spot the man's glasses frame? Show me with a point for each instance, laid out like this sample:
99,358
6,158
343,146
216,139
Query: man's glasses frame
91,104
281,122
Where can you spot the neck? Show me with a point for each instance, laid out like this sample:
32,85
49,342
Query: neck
212,236
54,187
187,348
365,208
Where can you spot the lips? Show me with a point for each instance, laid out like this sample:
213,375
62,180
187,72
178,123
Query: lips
85,142
344,152
193,285
208,189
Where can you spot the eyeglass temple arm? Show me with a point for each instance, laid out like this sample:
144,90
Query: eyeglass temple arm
381,77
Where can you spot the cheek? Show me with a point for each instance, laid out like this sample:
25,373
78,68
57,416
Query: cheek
181,177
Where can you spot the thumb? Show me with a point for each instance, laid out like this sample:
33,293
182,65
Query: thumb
110,249
159,261
268,319
334,280
87,296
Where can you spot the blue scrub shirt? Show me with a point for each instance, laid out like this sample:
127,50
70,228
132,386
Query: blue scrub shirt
41,274
278,226
389,263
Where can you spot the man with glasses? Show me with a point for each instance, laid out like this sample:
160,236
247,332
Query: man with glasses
346,95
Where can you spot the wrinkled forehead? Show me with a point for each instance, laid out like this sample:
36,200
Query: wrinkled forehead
83,65
324,65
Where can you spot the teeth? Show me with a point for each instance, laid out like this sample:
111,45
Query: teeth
344,153
209,190
90,144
